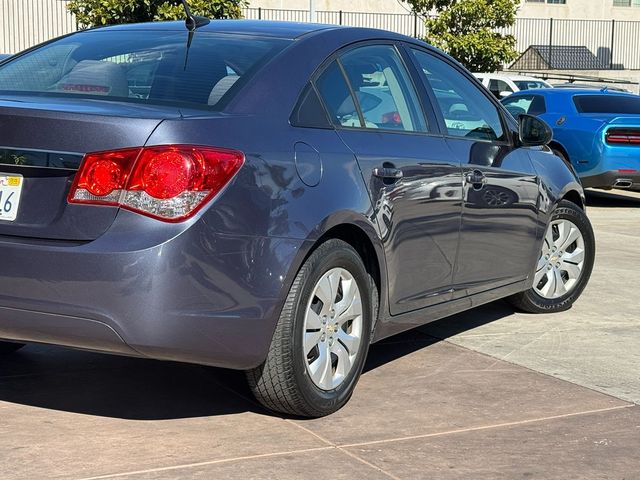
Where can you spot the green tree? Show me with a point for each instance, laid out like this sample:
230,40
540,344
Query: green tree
468,30
93,13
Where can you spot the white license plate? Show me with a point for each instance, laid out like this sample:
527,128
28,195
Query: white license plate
10,190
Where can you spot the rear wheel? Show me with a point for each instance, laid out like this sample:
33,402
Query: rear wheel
9,347
320,344
564,265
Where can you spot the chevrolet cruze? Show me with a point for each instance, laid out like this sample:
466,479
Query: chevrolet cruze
269,197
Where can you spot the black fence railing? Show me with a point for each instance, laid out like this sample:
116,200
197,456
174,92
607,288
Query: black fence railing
545,43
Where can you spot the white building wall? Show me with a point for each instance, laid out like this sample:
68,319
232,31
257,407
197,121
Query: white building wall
24,23
579,10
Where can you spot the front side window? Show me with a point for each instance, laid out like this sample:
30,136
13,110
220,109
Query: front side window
385,94
466,110
150,67
526,104
530,84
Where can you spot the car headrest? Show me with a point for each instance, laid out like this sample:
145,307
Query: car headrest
95,77
222,87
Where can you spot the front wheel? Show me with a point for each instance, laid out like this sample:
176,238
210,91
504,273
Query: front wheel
564,264
321,340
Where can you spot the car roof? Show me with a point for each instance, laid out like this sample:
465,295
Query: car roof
263,28
510,77
570,92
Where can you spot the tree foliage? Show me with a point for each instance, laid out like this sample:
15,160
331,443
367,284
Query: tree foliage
93,13
468,30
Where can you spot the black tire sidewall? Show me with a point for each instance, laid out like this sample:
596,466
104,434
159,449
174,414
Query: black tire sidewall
339,256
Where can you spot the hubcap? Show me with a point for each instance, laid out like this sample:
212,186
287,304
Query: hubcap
561,260
332,328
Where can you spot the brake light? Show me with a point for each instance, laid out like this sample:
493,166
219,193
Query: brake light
170,182
619,136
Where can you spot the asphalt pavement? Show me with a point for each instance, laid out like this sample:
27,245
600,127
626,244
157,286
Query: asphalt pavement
487,394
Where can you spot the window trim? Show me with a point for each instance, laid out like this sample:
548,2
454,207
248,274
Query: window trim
509,129
433,129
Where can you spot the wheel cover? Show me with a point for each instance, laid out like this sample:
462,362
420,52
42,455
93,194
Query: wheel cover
332,329
561,261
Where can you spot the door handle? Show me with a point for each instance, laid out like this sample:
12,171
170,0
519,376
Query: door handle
388,173
476,178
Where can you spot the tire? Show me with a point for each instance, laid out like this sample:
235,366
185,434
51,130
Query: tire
285,382
532,300
9,347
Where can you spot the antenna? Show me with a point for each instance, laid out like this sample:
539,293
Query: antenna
193,22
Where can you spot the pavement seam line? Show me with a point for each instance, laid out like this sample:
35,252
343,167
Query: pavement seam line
487,427
346,452
204,464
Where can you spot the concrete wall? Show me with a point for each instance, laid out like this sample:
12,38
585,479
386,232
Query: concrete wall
579,10
378,6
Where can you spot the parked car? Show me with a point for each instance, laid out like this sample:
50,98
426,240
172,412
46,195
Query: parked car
502,85
596,131
252,207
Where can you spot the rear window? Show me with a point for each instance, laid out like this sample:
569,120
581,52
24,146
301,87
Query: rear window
607,104
150,67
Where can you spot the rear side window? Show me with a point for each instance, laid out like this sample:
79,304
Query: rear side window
529,104
383,88
154,67
607,104
337,97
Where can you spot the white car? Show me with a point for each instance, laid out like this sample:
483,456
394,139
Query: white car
502,85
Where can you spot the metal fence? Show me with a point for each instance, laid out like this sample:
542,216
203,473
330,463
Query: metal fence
609,44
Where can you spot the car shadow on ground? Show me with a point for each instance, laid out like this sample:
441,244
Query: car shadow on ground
139,389
611,199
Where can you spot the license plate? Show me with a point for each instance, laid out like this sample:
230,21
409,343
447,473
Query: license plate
10,190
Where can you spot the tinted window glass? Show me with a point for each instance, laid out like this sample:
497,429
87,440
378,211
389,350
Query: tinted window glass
607,104
466,110
309,111
383,87
131,66
529,84
499,86
337,98
530,104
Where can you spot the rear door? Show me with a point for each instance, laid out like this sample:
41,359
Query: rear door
413,178
500,197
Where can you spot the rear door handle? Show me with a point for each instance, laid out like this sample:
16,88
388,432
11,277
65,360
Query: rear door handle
388,173
476,178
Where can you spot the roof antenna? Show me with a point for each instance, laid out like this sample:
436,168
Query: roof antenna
193,22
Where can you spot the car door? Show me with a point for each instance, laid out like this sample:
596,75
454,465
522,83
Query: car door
414,181
500,198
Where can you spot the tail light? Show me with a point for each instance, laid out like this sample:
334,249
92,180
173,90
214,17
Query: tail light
623,136
392,118
170,182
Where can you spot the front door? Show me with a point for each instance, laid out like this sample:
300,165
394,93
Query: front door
499,230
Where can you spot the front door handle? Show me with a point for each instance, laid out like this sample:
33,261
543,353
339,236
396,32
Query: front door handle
388,173
476,178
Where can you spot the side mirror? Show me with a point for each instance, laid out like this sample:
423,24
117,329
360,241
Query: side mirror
533,131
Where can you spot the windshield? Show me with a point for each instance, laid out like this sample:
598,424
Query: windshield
530,84
150,67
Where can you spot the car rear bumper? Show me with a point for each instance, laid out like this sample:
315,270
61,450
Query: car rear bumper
612,179
179,292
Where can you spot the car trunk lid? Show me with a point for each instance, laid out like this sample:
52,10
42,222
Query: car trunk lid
43,141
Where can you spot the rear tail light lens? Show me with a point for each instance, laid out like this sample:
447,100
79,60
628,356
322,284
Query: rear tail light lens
170,182
620,136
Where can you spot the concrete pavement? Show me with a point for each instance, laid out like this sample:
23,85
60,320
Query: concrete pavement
488,394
